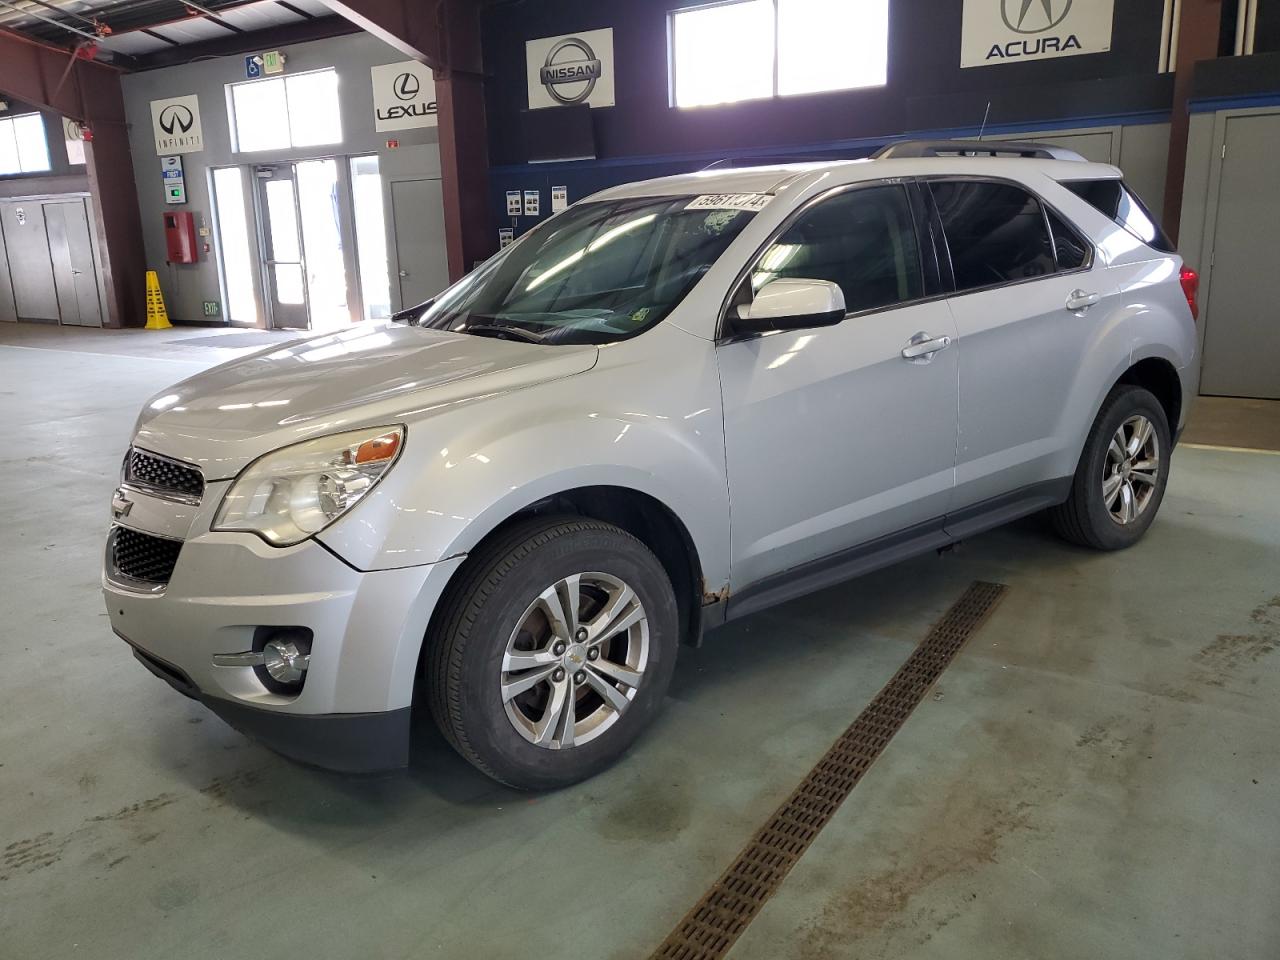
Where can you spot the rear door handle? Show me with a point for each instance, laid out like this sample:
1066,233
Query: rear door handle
922,347
1079,300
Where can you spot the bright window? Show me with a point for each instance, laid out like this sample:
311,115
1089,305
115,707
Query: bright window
23,148
752,49
300,110
234,250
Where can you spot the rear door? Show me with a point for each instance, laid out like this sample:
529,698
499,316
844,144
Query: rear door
832,438
1026,305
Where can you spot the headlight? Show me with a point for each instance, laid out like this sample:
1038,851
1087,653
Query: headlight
286,496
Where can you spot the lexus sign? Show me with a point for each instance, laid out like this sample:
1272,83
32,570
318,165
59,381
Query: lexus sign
570,69
1009,31
175,125
404,96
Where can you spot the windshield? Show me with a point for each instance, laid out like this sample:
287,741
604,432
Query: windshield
599,272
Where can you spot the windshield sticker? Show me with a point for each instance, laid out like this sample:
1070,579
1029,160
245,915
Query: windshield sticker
730,201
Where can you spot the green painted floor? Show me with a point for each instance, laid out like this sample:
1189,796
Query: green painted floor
1097,775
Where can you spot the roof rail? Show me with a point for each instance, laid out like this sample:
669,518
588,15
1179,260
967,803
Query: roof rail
973,148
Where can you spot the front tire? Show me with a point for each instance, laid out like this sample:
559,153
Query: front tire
553,651
1120,481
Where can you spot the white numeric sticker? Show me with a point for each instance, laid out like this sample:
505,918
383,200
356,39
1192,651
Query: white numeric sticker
730,201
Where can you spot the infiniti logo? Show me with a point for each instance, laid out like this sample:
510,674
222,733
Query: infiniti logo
406,86
1028,20
570,71
176,117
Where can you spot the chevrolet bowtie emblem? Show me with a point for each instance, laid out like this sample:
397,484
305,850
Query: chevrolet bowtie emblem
120,504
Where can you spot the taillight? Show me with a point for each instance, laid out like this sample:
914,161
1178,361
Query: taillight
1190,281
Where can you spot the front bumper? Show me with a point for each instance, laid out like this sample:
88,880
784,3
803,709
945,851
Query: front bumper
367,628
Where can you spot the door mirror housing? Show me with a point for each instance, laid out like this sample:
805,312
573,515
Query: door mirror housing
791,304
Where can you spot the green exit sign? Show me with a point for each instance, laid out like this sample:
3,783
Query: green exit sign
211,308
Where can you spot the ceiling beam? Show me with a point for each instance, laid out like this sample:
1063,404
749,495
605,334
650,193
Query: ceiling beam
445,34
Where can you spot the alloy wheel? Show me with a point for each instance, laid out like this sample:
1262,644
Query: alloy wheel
1131,470
575,661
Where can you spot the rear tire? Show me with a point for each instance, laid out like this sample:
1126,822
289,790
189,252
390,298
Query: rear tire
1120,480
533,692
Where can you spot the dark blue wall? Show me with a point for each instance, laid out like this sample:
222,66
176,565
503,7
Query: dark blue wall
643,136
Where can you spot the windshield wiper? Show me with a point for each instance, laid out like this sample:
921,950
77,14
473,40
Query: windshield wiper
502,330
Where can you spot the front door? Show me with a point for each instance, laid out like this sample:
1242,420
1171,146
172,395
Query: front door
833,438
284,271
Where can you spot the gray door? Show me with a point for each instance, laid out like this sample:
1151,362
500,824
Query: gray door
71,255
8,310
284,272
29,267
417,211
1242,315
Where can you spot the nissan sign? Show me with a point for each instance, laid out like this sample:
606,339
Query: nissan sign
571,69
1007,31
404,96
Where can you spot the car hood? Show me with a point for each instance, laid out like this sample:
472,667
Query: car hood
365,376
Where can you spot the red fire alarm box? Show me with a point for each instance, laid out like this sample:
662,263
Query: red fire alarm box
180,237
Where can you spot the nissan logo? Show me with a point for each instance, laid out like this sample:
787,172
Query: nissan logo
176,116
1039,20
570,71
406,86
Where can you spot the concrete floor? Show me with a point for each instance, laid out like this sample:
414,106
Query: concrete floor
1097,775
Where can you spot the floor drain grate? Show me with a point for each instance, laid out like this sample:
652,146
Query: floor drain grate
715,923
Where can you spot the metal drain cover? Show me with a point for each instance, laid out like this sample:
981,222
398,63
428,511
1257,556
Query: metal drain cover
715,923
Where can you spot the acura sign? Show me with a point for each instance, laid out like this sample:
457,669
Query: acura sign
175,125
571,69
1007,31
404,96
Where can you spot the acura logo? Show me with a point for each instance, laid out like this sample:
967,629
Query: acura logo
176,117
570,71
1034,16
406,86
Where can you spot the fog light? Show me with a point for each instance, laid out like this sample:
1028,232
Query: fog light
285,662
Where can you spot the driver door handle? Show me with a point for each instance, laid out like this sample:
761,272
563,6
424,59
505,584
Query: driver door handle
922,347
1079,300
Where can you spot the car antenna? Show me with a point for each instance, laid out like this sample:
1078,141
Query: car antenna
983,128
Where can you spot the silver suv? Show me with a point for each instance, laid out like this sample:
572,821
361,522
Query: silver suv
676,403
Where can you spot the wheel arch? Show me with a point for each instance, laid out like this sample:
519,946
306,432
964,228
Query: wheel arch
644,516
1160,377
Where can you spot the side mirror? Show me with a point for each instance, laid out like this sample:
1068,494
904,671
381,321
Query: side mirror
791,304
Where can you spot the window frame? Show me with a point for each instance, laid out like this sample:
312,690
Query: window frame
22,171
944,244
283,79
776,93
932,285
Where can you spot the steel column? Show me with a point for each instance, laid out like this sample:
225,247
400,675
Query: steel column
84,90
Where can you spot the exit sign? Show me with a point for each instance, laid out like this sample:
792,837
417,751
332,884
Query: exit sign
273,62
211,308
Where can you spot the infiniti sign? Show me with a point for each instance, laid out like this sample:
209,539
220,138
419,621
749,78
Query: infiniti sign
175,125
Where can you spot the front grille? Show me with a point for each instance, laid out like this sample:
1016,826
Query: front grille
140,556
162,474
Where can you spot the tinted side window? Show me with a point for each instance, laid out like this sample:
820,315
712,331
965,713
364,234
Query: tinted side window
996,233
1071,250
1114,199
862,240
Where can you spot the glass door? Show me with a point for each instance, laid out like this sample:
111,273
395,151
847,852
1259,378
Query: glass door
283,266
323,242
371,238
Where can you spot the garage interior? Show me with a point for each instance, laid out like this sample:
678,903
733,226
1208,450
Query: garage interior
1096,773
